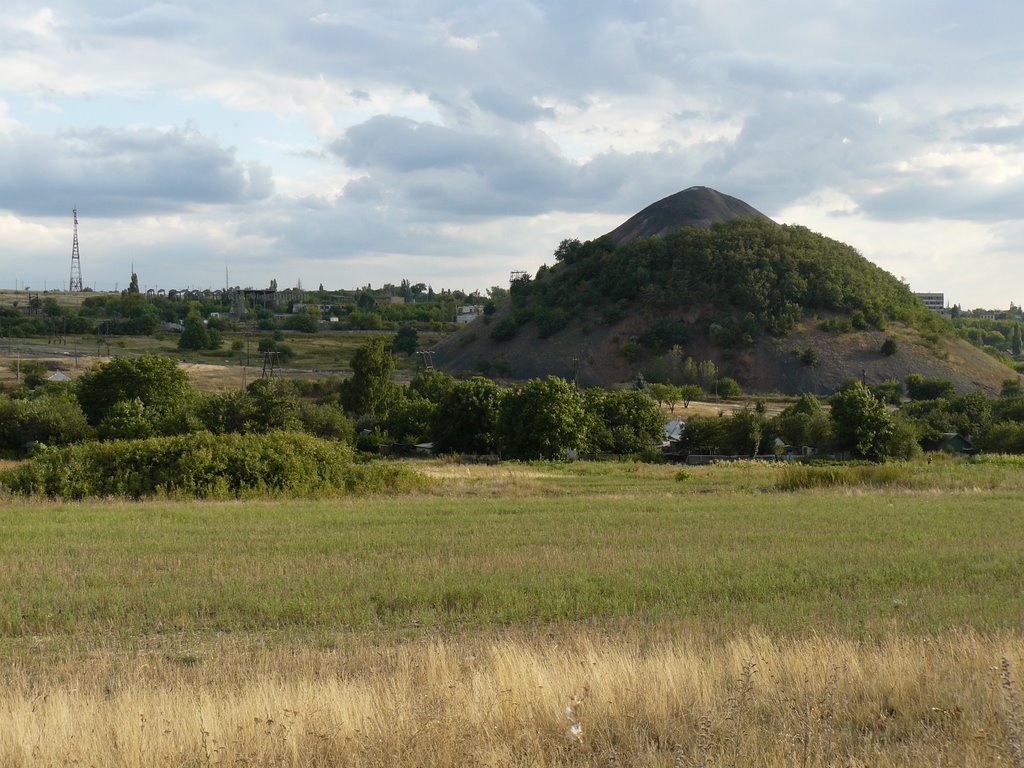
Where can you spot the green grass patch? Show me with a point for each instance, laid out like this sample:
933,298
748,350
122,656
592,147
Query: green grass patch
797,477
861,565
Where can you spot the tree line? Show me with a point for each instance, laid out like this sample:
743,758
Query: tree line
149,396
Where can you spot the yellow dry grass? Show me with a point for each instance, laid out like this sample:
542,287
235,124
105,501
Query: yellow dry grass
582,699
219,378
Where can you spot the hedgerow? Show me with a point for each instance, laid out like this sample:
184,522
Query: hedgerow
202,465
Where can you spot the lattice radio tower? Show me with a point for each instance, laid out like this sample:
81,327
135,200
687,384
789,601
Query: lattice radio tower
75,284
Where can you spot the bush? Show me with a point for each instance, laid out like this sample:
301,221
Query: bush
729,387
889,347
926,388
505,329
48,420
202,465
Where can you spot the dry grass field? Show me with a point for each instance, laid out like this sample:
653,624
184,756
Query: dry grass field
526,615
580,698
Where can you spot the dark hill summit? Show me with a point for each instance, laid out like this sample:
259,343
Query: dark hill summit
700,274
693,207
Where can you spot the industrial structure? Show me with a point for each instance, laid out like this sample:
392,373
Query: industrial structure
75,283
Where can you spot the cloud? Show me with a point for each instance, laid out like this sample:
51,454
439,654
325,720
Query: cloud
115,172
792,146
999,134
946,196
516,171
157,21
510,106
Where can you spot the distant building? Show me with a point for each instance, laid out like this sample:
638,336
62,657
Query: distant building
468,313
936,302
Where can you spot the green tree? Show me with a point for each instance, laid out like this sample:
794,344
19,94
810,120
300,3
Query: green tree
567,250
704,435
432,385
688,393
32,373
224,412
156,381
126,420
406,340
370,391
659,392
1003,437
305,321
51,420
707,372
926,388
272,406
744,432
804,423
195,335
860,421
541,419
1011,388
888,391
902,442
622,421
411,421
690,373
326,421
466,420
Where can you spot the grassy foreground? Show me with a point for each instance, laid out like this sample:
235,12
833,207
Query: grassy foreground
695,619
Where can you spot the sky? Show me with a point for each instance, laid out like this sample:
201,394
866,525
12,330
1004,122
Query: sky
446,142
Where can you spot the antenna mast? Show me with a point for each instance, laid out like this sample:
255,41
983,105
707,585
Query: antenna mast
75,283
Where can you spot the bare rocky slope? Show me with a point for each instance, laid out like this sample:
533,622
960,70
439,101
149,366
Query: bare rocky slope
693,207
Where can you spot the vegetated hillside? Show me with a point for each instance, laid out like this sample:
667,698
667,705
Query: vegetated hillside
744,292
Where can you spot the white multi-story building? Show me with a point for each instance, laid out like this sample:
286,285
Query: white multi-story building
936,302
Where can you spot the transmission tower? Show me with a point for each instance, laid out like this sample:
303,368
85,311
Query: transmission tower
271,363
75,284
427,359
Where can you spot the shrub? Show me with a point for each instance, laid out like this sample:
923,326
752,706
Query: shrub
504,329
49,420
201,465
889,347
728,387
631,351
809,356
926,388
